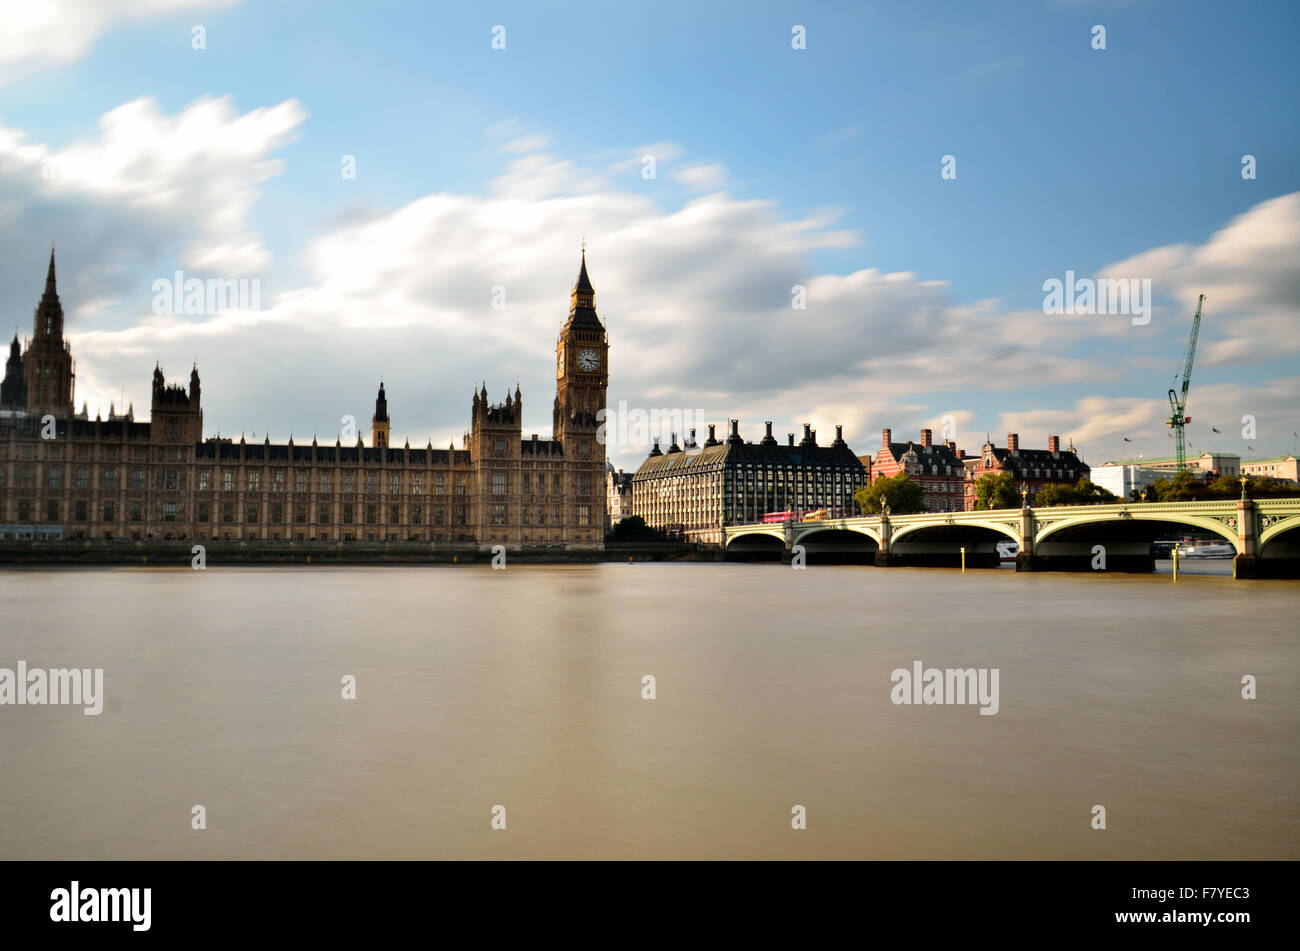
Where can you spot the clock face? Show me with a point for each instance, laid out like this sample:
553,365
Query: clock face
588,360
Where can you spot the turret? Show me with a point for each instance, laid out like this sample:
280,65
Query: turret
379,423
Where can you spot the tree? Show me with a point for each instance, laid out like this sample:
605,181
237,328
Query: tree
1180,487
1187,486
1082,492
903,495
996,490
633,528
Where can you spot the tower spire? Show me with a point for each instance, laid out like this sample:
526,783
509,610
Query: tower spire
49,312
583,285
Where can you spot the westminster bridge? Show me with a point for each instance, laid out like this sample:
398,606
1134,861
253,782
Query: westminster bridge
1265,534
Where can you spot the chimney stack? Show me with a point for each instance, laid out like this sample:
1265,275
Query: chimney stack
735,428
961,453
791,437
885,435
1013,442
925,438
1053,444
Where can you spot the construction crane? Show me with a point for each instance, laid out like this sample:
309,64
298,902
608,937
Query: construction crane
1178,401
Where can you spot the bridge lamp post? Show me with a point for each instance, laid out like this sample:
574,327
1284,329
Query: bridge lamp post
1243,480
1024,495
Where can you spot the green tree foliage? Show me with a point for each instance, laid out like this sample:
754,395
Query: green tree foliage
1186,487
634,529
903,495
996,490
1082,492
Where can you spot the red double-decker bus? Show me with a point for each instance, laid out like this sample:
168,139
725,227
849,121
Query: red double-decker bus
780,516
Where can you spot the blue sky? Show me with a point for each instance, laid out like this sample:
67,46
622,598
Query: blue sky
774,165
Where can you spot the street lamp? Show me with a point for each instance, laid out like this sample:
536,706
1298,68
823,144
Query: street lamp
1024,495
1243,481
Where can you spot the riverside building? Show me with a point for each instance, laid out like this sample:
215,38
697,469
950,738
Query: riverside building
64,475
695,491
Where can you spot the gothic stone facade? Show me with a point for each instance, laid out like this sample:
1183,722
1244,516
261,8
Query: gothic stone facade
64,475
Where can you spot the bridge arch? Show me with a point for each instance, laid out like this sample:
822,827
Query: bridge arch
1113,519
1279,528
753,533
901,532
816,528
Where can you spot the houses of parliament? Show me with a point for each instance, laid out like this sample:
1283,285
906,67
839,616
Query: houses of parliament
65,475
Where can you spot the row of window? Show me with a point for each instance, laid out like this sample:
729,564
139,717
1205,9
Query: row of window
172,479
79,511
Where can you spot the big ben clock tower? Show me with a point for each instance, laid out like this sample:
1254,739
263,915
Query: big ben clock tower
581,378
581,368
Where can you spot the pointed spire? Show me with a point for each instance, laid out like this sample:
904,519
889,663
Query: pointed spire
48,319
583,285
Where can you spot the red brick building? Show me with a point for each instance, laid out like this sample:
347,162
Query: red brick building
939,468
1034,467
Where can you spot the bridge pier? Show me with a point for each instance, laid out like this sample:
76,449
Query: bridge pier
1246,563
1025,556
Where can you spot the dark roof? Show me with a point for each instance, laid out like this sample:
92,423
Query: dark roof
584,314
541,447
1021,462
583,286
936,454
733,452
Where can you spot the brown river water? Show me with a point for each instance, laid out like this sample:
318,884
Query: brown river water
523,688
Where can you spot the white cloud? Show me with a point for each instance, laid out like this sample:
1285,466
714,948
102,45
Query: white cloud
57,32
697,299
150,191
701,177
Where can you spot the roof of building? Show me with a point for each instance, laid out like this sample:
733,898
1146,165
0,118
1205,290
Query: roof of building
942,454
1169,460
734,451
582,315
1021,461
